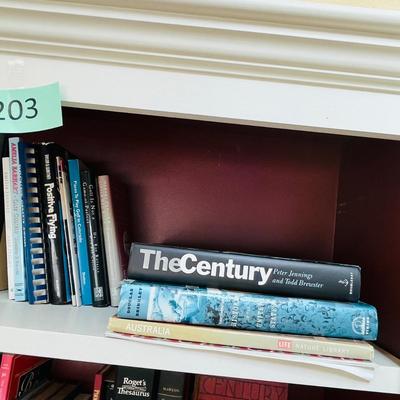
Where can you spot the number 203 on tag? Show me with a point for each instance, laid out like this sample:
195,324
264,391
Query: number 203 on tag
30,109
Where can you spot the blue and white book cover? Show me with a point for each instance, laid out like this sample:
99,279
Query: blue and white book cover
16,220
80,230
231,309
35,259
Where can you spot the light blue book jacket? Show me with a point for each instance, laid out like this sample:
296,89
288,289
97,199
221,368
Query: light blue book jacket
231,309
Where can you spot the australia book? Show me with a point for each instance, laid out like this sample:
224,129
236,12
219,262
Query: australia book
301,344
115,229
245,272
32,223
75,167
247,311
97,259
58,273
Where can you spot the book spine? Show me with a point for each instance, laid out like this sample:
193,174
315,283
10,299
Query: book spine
80,231
58,279
171,385
98,268
114,263
219,388
68,226
314,345
35,260
245,272
8,226
5,375
16,221
250,311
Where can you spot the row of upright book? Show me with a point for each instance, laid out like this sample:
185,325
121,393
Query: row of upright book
37,378
246,301
64,236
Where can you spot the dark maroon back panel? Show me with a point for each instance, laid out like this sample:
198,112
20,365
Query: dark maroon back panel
368,228
215,185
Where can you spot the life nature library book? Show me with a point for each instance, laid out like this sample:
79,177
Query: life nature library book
245,272
301,344
221,388
115,231
248,311
54,238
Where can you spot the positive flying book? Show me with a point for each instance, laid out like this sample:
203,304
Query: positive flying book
245,272
248,311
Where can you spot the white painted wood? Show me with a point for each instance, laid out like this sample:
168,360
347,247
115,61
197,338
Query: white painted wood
289,64
68,332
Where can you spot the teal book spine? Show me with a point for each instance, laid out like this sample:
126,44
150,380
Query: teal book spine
250,311
80,230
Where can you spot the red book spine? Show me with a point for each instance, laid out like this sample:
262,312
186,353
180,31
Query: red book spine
217,388
5,375
98,382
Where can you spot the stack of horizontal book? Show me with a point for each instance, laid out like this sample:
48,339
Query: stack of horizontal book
63,235
246,301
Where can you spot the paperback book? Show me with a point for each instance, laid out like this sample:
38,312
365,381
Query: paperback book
248,311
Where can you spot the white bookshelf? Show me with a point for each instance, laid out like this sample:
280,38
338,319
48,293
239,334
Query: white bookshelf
67,332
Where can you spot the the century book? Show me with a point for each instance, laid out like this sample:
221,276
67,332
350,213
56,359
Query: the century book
246,272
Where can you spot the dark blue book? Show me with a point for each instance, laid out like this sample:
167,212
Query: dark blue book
251,311
55,246
80,230
35,257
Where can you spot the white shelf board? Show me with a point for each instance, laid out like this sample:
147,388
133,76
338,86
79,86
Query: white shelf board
72,333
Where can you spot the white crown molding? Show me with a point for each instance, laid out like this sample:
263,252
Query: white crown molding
289,64
286,41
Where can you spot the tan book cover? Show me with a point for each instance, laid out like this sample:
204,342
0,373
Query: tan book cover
343,348
3,261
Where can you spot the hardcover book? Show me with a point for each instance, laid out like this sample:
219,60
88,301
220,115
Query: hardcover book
219,388
80,230
173,385
20,374
69,233
245,272
135,383
16,220
32,225
97,259
248,311
115,230
58,273
313,345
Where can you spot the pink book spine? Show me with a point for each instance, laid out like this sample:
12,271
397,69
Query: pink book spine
5,375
